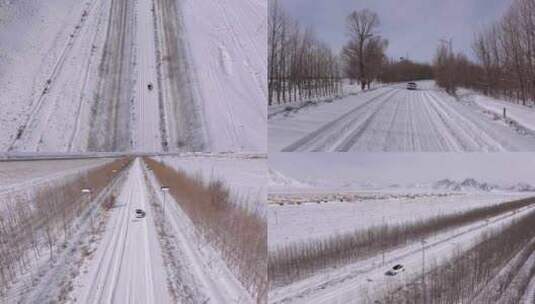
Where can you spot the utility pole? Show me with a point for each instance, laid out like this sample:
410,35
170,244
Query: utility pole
423,272
383,241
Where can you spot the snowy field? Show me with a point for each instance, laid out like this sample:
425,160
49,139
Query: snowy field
319,196
391,118
229,51
15,175
244,174
83,84
295,223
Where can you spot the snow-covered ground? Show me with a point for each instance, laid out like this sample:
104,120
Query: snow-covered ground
23,175
364,281
47,279
348,88
83,83
392,118
295,223
244,174
127,266
196,266
128,259
522,115
228,41
316,196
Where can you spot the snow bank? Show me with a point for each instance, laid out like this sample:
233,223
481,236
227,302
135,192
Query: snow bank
277,180
522,115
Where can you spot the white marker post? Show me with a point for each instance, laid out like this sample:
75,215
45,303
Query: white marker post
164,190
88,192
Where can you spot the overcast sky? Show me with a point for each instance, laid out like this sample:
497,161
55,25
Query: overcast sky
406,168
412,27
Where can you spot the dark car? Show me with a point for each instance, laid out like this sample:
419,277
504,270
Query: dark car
412,86
140,213
395,270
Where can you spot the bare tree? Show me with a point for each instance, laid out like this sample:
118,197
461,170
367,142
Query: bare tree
364,53
300,66
506,52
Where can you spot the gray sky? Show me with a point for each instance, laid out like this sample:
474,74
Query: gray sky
406,168
413,27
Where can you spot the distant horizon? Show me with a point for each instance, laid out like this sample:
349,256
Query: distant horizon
411,34
406,168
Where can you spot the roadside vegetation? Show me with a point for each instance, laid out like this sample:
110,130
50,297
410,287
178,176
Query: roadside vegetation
300,260
303,68
300,66
223,220
483,274
505,52
39,222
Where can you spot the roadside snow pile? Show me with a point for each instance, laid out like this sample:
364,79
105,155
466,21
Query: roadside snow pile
279,180
472,185
522,115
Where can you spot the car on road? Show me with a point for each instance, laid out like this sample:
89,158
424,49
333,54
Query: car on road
412,86
140,213
395,270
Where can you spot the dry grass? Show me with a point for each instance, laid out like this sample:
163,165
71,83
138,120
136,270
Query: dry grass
239,234
298,261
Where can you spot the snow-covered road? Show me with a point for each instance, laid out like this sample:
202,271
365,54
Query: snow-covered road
83,83
366,280
199,275
156,259
394,119
128,265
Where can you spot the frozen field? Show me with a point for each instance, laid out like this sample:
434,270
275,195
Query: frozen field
83,83
17,174
292,223
391,118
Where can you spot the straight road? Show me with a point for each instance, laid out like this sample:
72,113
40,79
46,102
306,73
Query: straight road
395,119
94,94
128,266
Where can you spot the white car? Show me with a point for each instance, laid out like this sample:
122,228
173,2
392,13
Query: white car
395,270
412,86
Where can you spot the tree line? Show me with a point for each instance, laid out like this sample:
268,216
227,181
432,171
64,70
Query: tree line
297,261
300,66
505,53
224,221
481,274
41,221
